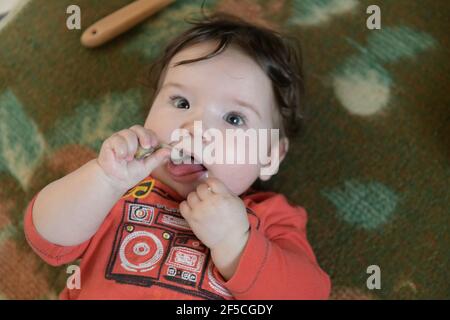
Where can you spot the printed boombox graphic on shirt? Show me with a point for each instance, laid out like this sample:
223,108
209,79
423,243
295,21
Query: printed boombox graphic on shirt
154,245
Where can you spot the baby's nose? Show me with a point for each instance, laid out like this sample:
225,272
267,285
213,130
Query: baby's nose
195,129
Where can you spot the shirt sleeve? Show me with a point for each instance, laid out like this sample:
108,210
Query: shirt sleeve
278,262
51,253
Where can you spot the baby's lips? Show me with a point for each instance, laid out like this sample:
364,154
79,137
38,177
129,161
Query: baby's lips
165,153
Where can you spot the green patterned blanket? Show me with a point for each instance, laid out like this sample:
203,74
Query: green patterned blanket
371,168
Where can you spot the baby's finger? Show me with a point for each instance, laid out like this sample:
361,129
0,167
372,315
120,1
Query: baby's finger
131,140
119,145
185,209
192,199
217,186
145,136
156,159
106,155
204,191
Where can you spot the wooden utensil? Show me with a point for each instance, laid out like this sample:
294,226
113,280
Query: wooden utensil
120,21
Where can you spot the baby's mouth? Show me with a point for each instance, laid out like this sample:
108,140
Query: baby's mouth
185,166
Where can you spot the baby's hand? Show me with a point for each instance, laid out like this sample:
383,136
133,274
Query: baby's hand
117,160
216,216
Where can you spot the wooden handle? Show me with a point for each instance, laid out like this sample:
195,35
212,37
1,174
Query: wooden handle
120,21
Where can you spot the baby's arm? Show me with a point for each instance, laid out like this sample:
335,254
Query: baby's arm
274,261
277,261
70,210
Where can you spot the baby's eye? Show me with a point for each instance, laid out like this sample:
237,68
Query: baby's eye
180,102
235,119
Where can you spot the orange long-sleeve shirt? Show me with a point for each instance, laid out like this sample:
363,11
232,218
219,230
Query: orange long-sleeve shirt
146,250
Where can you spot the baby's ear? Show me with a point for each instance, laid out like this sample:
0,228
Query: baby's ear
277,154
284,148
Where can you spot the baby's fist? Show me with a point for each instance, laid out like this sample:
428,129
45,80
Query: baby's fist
117,160
215,215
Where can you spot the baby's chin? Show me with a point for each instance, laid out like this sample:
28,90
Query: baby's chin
182,188
236,183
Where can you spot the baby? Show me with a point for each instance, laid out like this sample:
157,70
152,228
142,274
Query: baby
155,228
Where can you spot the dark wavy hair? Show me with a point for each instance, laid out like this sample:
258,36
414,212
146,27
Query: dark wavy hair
279,56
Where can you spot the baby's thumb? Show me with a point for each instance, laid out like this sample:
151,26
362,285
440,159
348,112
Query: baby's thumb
156,159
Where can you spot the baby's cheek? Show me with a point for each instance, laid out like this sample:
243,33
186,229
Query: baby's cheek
237,178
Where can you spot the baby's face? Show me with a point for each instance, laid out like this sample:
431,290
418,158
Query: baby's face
228,91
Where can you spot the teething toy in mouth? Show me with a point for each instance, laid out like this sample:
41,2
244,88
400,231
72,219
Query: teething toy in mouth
181,167
143,153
